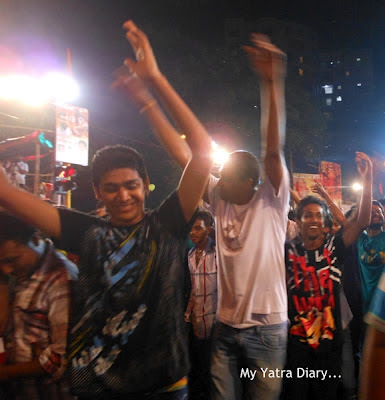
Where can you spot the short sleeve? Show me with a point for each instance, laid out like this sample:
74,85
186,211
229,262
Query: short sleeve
376,313
74,225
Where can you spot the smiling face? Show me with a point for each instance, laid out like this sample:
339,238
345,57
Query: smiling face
312,222
123,193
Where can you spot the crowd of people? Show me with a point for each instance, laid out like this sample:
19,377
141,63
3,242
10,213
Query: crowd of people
264,317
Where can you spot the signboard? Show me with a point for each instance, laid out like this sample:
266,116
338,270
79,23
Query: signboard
331,179
302,184
72,135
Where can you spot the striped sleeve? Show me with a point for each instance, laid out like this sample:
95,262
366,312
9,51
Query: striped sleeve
376,314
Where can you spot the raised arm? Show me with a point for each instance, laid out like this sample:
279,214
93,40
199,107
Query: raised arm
29,208
336,212
270,64
198,166
353,228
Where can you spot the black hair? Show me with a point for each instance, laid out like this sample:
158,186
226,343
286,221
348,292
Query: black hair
12,228
312,200
205,216
246,165
114,157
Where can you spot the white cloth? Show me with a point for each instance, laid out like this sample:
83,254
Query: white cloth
250,255
202,305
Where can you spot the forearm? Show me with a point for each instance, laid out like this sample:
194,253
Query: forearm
365,208
273,116
336,212
168,136
30,209
273,129
196,135
372,383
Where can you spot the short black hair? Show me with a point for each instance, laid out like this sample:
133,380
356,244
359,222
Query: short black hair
205,216
312,200
114,157
246,165
12,228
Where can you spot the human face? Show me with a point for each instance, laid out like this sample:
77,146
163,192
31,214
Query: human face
335,228
199,232
312,222
232,188
17,258
377,218
123,193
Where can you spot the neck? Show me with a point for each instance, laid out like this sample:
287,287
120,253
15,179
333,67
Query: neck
201,245
374,231
242,200
313,244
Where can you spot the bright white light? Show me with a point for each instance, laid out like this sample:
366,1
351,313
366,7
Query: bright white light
22,88
358,84
219,155
339,98
357,186
35,92
60,88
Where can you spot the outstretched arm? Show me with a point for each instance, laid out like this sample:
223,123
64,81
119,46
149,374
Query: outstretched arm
198,167
353,228
270,64
29,208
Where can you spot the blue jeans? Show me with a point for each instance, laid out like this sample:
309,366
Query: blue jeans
238,357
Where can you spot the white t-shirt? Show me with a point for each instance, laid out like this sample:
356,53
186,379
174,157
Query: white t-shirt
250,255
20,177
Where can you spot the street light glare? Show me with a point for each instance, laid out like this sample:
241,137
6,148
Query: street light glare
35,92
356,186
219,155
61,88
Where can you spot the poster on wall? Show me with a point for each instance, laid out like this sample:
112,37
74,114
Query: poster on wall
331,179
72,135
302,184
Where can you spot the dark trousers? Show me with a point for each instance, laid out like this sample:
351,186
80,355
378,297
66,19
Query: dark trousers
303,362
199,377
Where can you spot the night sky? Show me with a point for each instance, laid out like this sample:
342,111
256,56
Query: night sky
39,32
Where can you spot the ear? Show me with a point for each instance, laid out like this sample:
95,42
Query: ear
97,193
147,186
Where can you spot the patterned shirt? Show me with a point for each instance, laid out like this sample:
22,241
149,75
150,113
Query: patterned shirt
314,284
202,305
129,334
40,324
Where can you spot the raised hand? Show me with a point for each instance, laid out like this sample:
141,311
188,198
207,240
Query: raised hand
145,66
130,83
267,60
319,189
364,165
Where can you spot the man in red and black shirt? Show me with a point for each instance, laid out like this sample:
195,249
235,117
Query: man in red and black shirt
314,267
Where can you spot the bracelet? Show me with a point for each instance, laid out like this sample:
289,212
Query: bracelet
147,106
